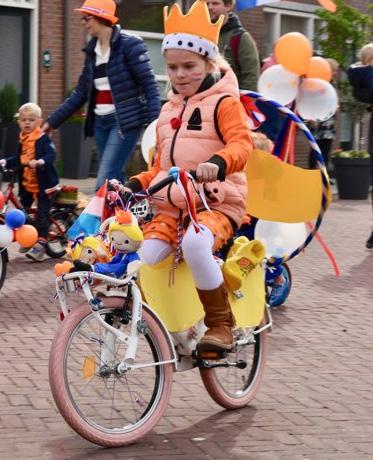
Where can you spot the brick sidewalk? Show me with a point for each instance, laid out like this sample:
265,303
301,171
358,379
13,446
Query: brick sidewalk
316,401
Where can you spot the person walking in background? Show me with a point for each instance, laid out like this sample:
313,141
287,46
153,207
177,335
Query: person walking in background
119,85
324,131
236,44
360,76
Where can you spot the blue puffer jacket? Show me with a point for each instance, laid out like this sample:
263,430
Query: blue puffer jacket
361,79
133,85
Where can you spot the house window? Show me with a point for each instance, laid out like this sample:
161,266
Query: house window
145,18
19,46
288,17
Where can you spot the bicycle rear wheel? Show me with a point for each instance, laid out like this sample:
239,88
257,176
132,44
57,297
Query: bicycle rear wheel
232,387
106,408
57,240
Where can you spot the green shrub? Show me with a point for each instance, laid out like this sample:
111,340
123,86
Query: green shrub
9,101
351,154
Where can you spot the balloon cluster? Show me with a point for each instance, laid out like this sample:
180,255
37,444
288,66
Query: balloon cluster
299,76
16,230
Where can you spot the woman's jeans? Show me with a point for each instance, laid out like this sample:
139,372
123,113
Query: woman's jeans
113,148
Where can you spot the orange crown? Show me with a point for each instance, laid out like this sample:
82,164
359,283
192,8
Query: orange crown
195,22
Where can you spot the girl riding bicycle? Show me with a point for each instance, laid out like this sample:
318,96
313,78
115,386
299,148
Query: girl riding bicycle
37,174
202,127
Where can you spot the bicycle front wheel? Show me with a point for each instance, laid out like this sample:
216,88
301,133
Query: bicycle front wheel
105,407
233,387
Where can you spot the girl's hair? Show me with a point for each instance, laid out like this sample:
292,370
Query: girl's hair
261,141
366,53
30,107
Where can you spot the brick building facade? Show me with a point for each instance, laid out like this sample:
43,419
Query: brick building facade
51,28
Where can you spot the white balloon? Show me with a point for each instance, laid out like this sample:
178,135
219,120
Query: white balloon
148,140
6,236
279,84
280,238
316,100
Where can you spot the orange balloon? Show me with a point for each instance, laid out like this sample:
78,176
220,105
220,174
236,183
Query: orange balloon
319,68
2,200
328,5
26,236
58,269
294,51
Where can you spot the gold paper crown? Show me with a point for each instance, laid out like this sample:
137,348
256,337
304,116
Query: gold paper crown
195,22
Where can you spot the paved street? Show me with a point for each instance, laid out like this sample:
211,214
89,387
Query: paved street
316,401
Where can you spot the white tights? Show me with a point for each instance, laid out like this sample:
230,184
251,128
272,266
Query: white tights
197,252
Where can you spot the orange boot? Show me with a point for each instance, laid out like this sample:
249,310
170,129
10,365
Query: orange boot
219,319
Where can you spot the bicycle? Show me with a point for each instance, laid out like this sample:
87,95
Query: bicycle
112,358
115,339
62,214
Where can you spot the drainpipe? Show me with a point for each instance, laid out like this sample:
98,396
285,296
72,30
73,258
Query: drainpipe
66,45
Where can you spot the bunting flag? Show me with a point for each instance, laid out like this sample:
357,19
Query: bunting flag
89,221
246,4
285,142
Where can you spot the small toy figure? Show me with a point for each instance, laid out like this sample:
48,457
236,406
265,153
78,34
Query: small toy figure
125,237
89,250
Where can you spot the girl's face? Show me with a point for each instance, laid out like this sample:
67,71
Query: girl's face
186,70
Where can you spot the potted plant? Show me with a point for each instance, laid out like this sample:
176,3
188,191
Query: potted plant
352,174
9,131
76,150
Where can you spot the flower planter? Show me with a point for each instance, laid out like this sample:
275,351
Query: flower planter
76,151
9,138
353,177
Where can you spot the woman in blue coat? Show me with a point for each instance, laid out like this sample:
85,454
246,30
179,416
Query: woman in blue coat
119,85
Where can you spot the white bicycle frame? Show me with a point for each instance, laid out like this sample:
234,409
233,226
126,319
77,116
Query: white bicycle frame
67,283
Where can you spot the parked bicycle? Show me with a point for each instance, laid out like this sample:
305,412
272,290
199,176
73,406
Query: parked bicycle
63,214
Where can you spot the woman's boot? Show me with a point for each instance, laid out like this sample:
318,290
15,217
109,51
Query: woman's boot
219,319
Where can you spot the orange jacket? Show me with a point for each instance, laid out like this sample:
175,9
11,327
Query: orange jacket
212,122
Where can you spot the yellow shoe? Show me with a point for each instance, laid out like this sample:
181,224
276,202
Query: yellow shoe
242,258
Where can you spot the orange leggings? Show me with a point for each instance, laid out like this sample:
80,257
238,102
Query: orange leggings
164,228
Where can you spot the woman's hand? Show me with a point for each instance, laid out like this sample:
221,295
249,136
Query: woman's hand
46,128
207,172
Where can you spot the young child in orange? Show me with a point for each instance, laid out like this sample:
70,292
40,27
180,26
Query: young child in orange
202,127
36,156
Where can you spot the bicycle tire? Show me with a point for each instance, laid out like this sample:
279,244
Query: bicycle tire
3,265
234,388
76,406
56,242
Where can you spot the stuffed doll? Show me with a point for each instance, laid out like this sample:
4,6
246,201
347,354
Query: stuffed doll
125,238
89,249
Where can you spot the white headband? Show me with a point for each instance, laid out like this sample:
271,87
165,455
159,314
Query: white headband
190,42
